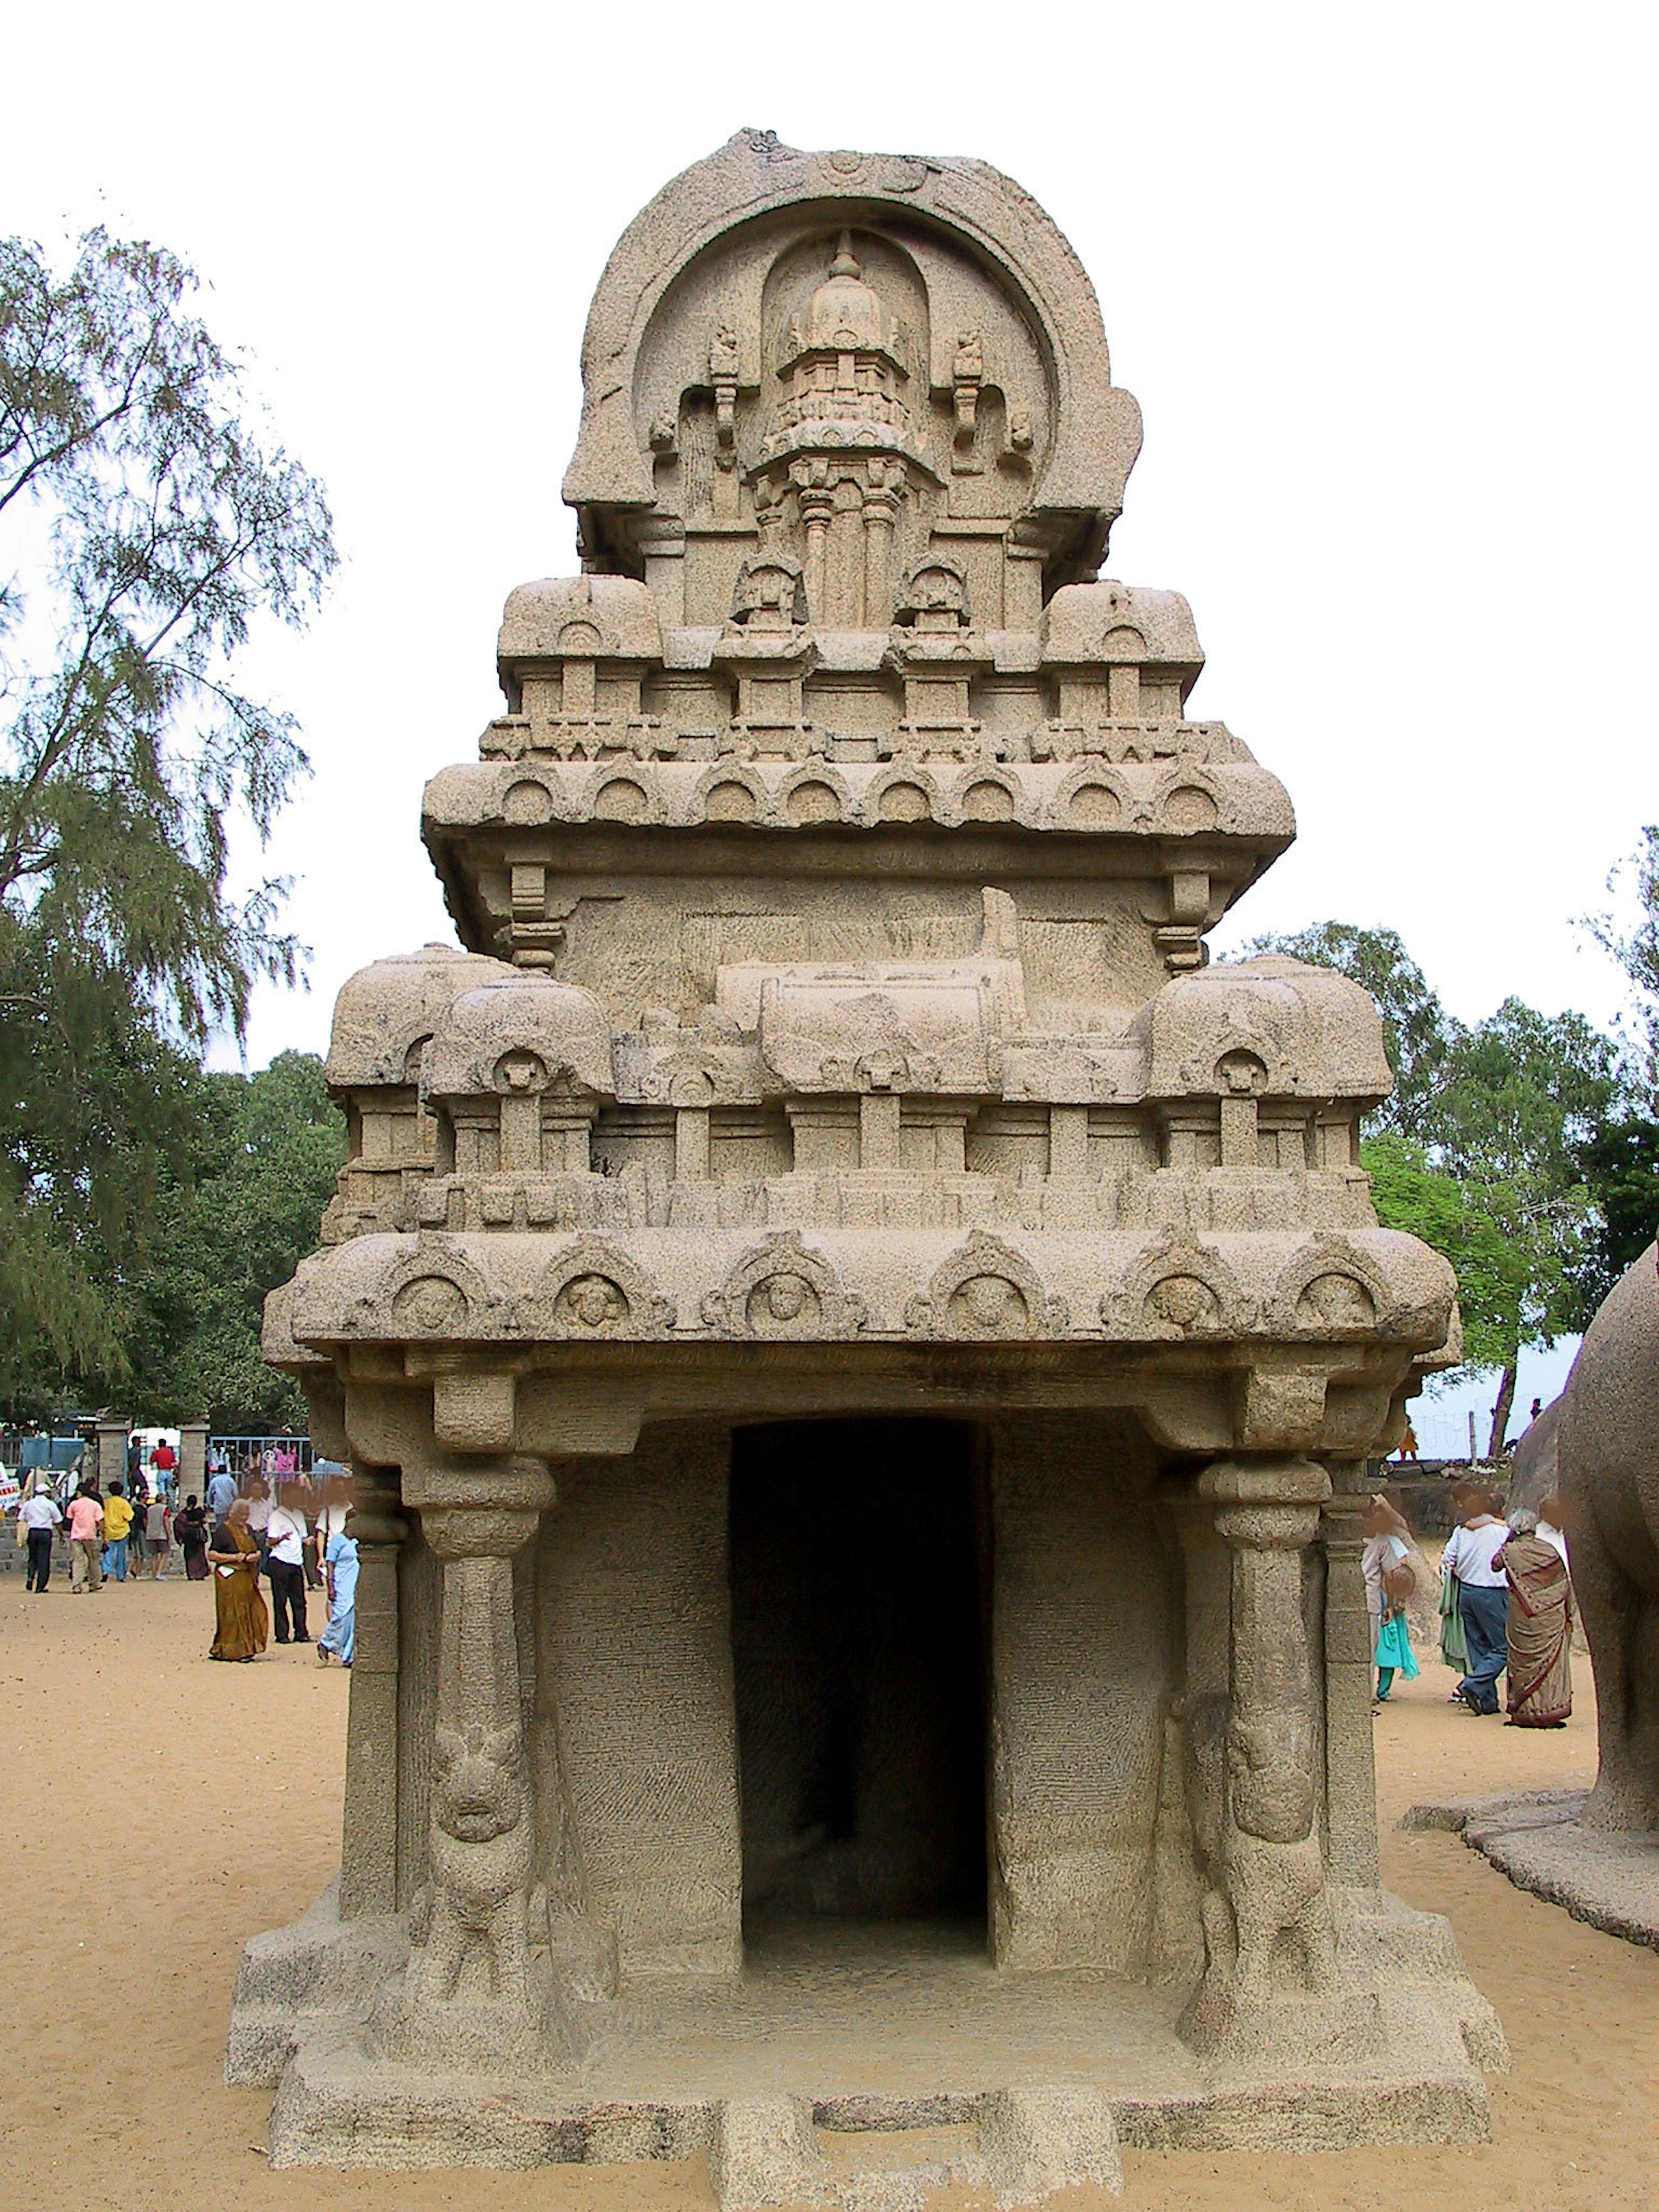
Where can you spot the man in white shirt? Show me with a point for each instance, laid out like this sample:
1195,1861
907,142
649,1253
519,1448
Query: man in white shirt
1482,1596
39,1516
285,1563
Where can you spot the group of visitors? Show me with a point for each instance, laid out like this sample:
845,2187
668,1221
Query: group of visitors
1506,1605
112,1537
296,1540
291,1533
1507,1609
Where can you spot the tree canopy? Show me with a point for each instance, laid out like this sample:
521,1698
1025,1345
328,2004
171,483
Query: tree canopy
147,526
268,1147
1497,1148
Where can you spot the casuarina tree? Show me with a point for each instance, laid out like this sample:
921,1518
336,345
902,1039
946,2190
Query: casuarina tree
148,524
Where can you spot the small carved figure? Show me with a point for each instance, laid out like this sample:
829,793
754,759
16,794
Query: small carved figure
594,1302
786,1296
967,375
482,1851
723,375
1184,1302
990,1305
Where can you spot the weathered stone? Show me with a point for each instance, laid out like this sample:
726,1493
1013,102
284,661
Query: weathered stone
1541,1840
1608,1450
857,1342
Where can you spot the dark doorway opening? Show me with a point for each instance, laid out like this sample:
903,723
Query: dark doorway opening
856,1551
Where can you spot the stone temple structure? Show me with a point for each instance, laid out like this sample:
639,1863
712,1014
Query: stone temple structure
859,1346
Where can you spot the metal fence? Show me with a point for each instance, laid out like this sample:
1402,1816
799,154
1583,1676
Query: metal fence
233,1454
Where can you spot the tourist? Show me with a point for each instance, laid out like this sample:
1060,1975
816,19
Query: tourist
118,1531
85,1527
304,1494
1389,1582
190,1527
222,1489
1393,1649
1409,1444
1384,1546
339,1638
157,1533
1482,1600
1553,1527
1540,1627
241,1625
1453,1649
258,1507
165,1461
285,1539
334,1502
38,1517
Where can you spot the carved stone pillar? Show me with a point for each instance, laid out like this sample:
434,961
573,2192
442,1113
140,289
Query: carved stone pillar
817,507
1350,1765
881,507
1272,1908
368,1842
469,1983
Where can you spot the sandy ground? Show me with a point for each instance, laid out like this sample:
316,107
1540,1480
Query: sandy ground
158,1809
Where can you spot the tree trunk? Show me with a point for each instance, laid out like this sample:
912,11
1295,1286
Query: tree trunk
1500,1412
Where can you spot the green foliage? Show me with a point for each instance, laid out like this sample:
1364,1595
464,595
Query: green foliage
1619,1161
1481,1151
144,529
1621,1167
1415,1027
1427,1202
1521,1094
270,1146
1636,952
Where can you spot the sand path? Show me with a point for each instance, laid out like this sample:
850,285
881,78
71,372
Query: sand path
158,1809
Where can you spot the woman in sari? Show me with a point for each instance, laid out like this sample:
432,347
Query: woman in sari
243,1622
189,1526
1540,1627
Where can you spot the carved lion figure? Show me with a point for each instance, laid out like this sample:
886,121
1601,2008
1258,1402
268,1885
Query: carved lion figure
482,1846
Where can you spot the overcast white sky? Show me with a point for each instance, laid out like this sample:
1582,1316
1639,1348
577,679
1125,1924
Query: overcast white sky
1380,277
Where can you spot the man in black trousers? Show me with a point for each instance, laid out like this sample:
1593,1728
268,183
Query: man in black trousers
285,1563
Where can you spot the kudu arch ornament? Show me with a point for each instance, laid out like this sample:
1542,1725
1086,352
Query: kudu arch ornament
858,1347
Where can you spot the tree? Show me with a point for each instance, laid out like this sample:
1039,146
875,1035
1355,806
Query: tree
1636,949
1501,1114
1621,1167
1521,1094
146,529
1621,1160
1415,1028
1427,1202
269,1147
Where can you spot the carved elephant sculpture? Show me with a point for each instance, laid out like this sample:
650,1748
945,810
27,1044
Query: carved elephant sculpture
1608,1454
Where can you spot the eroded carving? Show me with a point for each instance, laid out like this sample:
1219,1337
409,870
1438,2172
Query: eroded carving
987,1289
783,1290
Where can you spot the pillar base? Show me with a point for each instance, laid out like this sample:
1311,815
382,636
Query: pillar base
939,2050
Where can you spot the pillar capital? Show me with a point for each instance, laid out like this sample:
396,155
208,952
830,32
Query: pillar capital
510,1485
1265,1482
477,1532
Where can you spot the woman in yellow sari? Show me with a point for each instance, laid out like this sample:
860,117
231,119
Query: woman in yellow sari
243,1624
1540,1627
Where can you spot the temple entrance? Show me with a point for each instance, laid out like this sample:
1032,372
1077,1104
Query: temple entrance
857,1585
